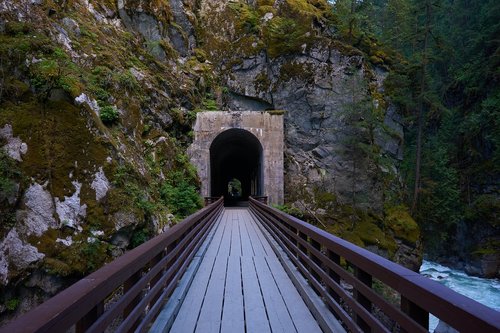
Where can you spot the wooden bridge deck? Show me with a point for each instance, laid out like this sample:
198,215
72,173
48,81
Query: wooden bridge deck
241,286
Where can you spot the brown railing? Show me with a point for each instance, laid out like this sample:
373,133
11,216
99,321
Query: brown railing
261,198
128,293
318,256
210,200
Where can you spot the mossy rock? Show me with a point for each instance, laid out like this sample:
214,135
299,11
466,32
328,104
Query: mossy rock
402,224
59,142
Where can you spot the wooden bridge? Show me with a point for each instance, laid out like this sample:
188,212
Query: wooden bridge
252,269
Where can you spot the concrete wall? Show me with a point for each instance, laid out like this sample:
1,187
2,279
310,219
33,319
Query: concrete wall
266,126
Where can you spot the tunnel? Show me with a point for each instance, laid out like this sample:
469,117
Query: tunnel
236,166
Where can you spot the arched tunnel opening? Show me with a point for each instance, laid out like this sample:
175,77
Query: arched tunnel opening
236,166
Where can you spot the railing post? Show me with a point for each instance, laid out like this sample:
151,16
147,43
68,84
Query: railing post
303,249
335,277
156,278
418,314
293,247
127,286
365,278
83,324
314,259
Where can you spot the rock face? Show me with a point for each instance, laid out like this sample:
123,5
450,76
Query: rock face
97,112
318,86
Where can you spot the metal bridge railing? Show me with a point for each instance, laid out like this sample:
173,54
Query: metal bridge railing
127,293
317,255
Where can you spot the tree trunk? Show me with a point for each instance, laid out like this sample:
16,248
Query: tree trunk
420,128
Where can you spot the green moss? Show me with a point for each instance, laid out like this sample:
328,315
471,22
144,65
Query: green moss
276,112
284,36
59,143
262,83
296,71
489,247
15,28
402,224
370,233
248,18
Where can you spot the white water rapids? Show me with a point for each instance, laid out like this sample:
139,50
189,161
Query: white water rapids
485,291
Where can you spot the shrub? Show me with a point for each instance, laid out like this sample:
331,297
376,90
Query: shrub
180,196
109,115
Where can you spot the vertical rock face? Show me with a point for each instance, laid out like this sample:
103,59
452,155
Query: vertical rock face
332,97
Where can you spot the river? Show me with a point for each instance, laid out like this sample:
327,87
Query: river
485,291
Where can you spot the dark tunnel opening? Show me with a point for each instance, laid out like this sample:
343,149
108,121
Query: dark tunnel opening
236,166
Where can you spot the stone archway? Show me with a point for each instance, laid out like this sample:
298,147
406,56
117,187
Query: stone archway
236,154
248,141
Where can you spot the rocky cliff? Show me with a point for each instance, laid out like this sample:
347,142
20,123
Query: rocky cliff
97,100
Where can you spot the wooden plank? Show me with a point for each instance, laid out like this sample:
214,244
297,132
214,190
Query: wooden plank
187,317
235,235
246,243
256,320
264,242
301,315
256,242
166,317
215,244
233,319
211,311
279,318
315,304
225,244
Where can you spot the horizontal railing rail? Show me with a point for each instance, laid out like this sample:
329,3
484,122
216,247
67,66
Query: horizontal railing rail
261,198
318,256
127,293
210,200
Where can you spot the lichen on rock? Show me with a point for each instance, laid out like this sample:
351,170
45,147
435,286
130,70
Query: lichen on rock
38,214
70,210
16,255
14,146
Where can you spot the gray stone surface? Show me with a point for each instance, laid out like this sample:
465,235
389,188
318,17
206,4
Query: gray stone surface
38,215
70,210
14,146
16,254
100,184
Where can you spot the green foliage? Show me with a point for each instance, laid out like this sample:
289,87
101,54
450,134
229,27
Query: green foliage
94,254
56,71
234,187
127,81
109,114
249,19
12,303
486,208
209,103
290,210
138,237
179,195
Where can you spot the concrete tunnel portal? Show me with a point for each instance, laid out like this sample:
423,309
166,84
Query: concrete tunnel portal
236,160
238,154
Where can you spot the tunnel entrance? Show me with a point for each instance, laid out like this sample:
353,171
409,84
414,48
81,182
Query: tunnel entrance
236,166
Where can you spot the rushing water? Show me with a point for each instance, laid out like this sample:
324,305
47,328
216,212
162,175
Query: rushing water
485,291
